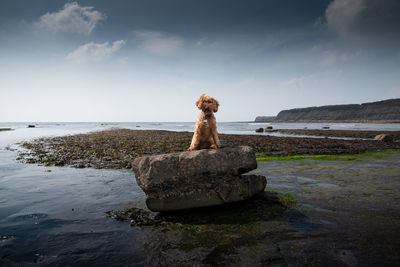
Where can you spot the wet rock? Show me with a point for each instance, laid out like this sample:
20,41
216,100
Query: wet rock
136,216
384,137
259,130
270,129
5,129
198,178
124,145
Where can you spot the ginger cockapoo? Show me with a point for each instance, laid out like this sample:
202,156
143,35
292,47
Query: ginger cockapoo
205,132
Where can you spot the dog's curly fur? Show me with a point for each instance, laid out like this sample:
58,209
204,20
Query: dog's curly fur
205,132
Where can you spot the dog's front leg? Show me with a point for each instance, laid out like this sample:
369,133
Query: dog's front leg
195,141
214,133
216,139
193,145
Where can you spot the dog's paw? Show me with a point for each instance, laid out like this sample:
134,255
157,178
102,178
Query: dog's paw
213,146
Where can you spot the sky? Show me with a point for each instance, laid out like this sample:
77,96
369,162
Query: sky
150,60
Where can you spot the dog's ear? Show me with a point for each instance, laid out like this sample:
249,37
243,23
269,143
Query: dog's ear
199,103
216,104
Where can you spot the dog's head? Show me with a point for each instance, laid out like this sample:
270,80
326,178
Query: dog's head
207,104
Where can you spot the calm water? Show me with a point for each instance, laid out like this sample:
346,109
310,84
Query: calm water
21,131
56,215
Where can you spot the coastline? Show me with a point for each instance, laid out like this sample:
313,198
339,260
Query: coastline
338,121
116,148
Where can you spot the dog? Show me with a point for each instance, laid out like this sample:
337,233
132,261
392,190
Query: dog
205,131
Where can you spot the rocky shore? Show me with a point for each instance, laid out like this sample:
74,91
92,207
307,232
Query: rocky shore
341,133
117,148
312,213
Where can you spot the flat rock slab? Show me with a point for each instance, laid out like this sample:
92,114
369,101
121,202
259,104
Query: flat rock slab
198,178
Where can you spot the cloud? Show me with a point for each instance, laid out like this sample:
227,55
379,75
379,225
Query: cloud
331,57
92,52
201,41
157,42
363,19
298,82
71,18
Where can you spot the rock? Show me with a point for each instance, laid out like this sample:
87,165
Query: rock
198,178
325,127
259,130
136,216
384,137
31,126
5,129
270,129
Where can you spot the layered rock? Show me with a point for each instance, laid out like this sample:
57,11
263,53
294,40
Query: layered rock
197,178
264,119
387,110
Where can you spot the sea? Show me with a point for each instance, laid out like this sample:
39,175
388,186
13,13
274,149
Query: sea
41,129
56,216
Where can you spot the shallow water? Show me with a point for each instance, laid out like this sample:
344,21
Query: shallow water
63,128
58,215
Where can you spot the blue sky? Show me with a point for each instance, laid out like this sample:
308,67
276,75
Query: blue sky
150,60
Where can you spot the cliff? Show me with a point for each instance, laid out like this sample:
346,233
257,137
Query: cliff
386,110
264,119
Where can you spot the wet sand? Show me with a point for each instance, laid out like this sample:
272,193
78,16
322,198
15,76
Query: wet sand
115,149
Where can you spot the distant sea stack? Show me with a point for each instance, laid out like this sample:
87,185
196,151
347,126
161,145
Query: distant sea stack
382,111
265,118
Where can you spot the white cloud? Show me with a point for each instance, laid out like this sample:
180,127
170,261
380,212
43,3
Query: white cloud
71,18
92,52
331,57
157,42
330,54
298,82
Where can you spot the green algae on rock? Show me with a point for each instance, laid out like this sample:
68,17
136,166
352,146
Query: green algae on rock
374,154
